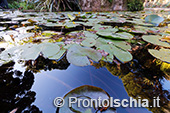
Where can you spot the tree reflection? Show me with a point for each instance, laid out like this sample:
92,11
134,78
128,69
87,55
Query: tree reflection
15,90
142,78
42,63
15,93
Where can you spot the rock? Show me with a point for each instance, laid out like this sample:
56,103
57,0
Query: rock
103,5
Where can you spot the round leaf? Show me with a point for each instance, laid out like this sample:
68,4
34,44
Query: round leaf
155,39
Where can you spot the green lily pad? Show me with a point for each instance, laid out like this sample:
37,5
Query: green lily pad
71,17
100,41
109,58
107,32
9,53
24,36
122,55
90,35
89,42
162,54
155,39
50,24
154,19
33,51
78,55
58,55
70,24
124,35
121,44
84,92
19,19
49,33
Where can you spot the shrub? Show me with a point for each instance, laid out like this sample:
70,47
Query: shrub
135,5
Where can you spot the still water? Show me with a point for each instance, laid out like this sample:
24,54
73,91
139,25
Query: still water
56,83
47,85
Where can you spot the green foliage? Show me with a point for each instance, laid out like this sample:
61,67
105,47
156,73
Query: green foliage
110,1
25,5
135,5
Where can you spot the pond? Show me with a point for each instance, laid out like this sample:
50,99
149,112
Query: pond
47,85
83,54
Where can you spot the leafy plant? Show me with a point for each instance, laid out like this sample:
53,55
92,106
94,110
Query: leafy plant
25,5
110,1
51,5
135,5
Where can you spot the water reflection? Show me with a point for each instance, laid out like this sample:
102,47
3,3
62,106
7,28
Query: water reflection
15,91
44,80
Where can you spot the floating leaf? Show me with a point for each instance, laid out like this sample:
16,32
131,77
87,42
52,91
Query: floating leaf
9,53
2,28
89,42
32,52
154,19
155,39
58,55
70,24
90,35
71,17
19,19
122,55
84,92
121,44
24,36
124,35
162,54
78,55
107,32
100,41
49,33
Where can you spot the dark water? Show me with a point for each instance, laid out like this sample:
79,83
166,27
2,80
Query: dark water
30,91
51,84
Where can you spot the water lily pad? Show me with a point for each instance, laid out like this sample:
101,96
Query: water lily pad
121,44
109,58
9,53
49,33
24,36
162,54
78,55
155,39
71,17
107,32
58,55
154,19
90,35
2,28
19,19
122,55
124,35
100,41
70,24
84,92
89,42
50,24
32,52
